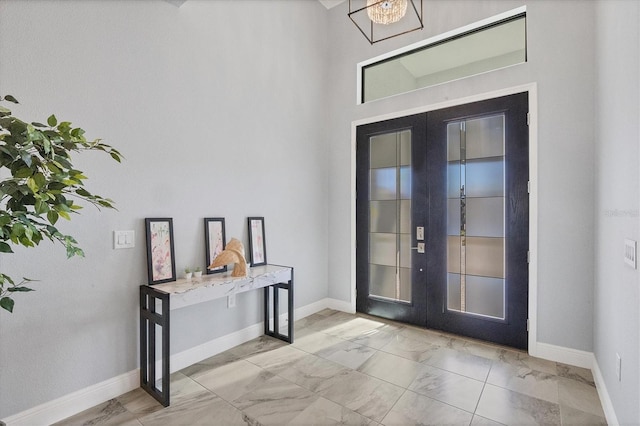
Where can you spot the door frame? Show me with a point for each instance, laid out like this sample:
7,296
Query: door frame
532,90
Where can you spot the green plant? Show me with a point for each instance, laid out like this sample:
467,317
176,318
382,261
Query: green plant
187,270
198,269
42,186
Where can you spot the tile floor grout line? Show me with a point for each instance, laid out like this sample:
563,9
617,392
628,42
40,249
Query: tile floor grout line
393,406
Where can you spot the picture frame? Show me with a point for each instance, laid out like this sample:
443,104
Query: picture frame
215,241
161,259
257,242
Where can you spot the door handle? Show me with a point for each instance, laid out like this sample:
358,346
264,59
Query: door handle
420,248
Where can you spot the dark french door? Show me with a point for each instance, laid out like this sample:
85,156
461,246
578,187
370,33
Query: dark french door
391,201
442,219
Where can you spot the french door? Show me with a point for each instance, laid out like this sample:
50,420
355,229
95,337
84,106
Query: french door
391,202
442,219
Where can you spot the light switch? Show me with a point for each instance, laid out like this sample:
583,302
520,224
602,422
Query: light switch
123,239
420,233
630,253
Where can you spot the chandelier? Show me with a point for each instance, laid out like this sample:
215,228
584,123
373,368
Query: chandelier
386,12
385,19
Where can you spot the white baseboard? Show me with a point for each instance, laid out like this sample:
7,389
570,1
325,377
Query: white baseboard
76,402
73,403
201,352
311,309
569,356
605,399
340,305
221,344
580,359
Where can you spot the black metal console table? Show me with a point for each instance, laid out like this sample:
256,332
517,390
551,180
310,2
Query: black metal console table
157,301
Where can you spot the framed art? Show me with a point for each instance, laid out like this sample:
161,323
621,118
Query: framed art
161,262
215,241
257,244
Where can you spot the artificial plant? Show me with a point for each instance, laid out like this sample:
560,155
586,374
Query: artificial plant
42,187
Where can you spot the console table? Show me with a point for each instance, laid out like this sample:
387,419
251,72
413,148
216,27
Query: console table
157,302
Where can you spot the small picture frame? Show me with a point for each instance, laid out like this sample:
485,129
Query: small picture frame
215,241
257,244
161,262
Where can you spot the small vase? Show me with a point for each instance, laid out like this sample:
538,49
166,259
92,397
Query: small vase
197,274
187,275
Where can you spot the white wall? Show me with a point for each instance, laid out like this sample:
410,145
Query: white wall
562,67
219,109
617,302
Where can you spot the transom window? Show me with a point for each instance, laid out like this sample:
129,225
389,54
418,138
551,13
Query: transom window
488,45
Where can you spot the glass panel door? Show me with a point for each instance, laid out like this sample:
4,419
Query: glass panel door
390,219
476,216
390,216
478,169
442,219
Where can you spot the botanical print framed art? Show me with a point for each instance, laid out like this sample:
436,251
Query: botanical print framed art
257,244
215,241
161,262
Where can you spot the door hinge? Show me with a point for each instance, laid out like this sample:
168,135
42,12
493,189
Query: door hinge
527,324
528,118
528,187
528,257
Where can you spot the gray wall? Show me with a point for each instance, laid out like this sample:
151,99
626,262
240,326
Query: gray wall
219,110
617,131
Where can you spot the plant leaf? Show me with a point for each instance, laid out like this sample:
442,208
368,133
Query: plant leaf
52,216
64,214
52,120
26,157
5,248
33,186
11,99
20,289
7,303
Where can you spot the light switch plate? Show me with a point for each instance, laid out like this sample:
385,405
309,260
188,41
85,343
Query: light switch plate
124,239
630,248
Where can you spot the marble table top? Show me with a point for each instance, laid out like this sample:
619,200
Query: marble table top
186,292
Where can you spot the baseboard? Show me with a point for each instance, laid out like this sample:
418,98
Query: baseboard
569,356
340,305
579,359
605,399
221,344
201,352
311,309
76,402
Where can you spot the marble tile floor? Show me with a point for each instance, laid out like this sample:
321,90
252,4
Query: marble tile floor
361,370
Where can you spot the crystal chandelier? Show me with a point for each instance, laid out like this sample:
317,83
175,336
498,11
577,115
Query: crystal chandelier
386,12
379,20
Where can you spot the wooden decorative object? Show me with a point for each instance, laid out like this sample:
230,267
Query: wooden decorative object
232,253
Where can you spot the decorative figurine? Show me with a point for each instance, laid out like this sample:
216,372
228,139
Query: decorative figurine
232,253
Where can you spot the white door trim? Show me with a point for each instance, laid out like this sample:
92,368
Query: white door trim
532,89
